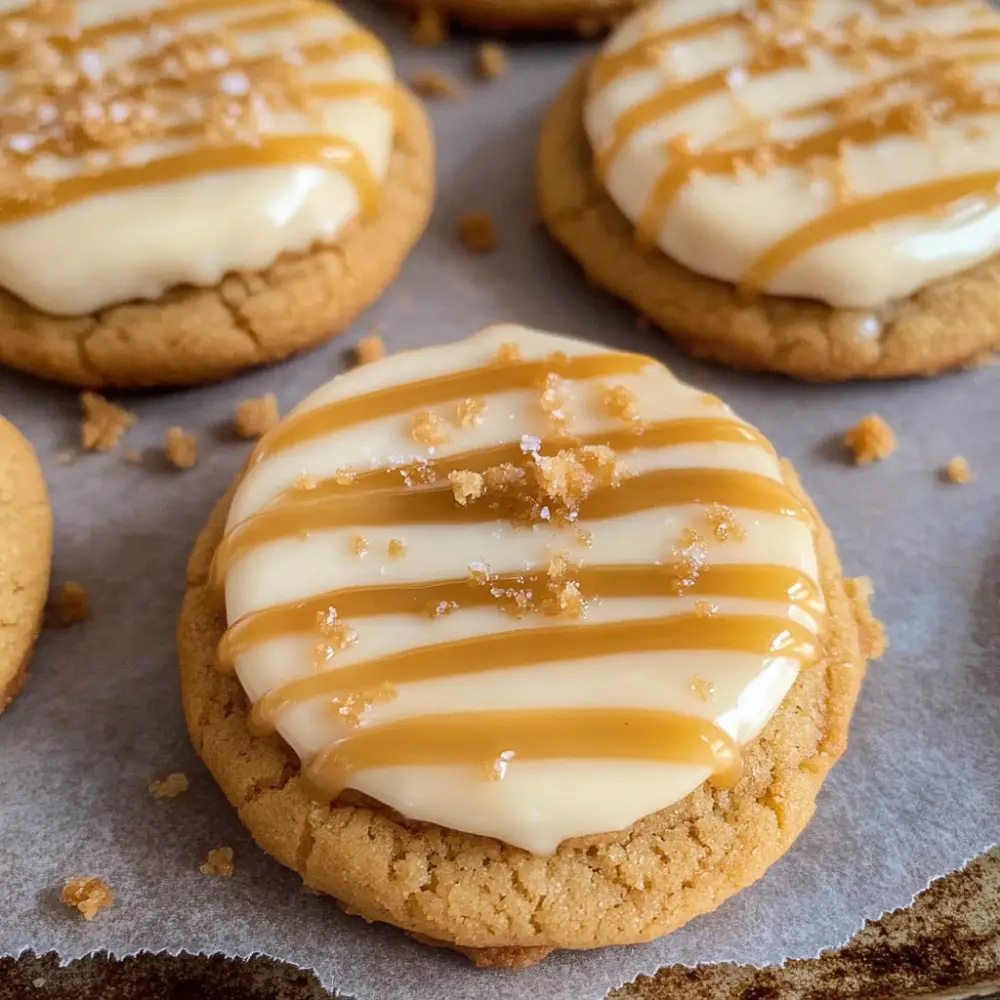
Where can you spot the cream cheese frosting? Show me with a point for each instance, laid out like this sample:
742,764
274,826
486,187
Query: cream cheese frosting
538,662
146,144
840,150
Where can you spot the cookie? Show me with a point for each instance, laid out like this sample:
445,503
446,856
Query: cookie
838,246
582,17
568,677
25,557
254,242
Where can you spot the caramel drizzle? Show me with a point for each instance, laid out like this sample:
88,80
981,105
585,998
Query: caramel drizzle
895,120
759,635
492,739
497,376
862,212
328,151
777,584
301,517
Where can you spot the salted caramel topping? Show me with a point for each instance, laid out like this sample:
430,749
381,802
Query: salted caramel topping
557,591
832,149
105,117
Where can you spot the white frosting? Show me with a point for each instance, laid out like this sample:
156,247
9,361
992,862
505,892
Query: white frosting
719,224
538,804
135,243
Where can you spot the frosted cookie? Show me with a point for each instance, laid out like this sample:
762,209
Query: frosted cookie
25,557
583,17
809,188
524,645
222,182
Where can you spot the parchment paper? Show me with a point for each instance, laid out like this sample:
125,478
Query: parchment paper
915,797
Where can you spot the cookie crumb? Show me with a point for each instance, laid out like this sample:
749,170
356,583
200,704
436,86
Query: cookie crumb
132,457
429,428
218,862
470,412
66,457
181,448
491,60
871,440
478,232
957,470
466,486
428,29
88,895
103,423
435,84
396,547
70,604
174,784
256,416
369,349
874,640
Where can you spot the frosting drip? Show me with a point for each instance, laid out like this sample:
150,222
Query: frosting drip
843,150
458,576
236,130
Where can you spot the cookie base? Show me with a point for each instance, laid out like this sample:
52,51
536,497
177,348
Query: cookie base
192,335
951,323
25,558
619,888
586,18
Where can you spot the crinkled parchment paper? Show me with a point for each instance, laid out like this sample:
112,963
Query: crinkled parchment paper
915,796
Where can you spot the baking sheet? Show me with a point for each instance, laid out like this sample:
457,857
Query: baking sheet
917,794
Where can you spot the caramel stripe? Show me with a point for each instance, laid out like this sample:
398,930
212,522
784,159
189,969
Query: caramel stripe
760,635
753,582
917,200
668,433
499,376
436,505
327,151
492,739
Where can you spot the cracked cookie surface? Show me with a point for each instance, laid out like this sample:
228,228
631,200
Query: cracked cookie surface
500,905
948,324
192,335
25,557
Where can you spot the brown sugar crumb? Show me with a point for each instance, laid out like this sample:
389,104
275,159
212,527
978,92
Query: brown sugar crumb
429,428
466,486
103,423
568,601
871,439
70,604
509,352
690,554
584,538
724,525
256,416
355,706
619,402
470,412
435,84
181,448
428,29
369,349
554,400
702,688
169,787
360,546
705,609
132,457
396,547
491,60
438,609
218,862
478,232
957,470
88,895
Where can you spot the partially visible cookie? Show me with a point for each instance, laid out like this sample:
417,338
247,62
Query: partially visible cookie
766,227
254,244
25,557
582,17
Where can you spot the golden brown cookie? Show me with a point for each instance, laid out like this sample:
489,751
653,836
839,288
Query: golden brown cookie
496,903
25,557
582,17
193,335
947,324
